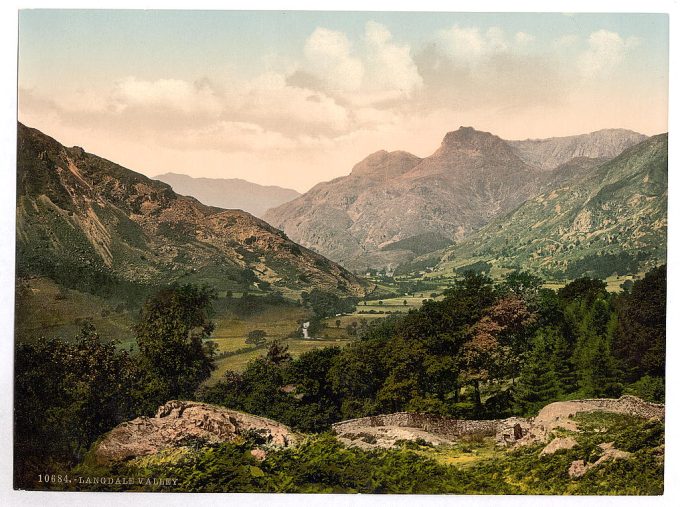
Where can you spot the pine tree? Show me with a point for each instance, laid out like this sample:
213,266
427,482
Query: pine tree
562,362
537,383
603,373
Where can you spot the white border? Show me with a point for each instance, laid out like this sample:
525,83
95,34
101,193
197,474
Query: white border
8,33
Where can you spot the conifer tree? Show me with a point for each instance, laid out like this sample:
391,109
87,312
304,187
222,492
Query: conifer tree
563,363
537,384
602,379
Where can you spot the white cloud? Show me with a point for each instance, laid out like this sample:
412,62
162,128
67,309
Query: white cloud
464,44
329,55
390,66
375,70
339,98
606,50
495,40
233,136
271,102
174,94
565,42
469,45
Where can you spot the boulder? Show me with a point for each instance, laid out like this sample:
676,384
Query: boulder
579,467
560,415
510,431
559,443
181,423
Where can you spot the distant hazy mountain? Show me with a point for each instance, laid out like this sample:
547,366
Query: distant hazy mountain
90,224
389,201
604,220
547,154
230,193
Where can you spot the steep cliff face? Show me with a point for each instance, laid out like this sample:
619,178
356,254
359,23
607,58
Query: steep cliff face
391,197
86,221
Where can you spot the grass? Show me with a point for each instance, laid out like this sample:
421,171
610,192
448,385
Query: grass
464,454
299,346
394,304
278,322
473,465
296,346
45,309
237,362
613,282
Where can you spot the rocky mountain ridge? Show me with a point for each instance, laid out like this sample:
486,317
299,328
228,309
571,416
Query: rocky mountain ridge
470,179
547,154
607,219
91,224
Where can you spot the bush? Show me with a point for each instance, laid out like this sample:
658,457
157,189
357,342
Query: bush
649,389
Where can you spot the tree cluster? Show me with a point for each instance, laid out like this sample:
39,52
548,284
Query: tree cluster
69,394
485,351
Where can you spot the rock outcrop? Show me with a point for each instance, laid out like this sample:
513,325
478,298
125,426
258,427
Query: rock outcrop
178,423
511,430
579,467
558,444
560,414
181,423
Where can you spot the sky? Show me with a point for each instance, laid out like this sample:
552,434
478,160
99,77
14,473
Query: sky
295,98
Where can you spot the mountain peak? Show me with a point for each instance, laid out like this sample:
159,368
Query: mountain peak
468,142
385,164
469,137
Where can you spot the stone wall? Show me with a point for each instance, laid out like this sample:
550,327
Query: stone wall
431,423
507,431
627,405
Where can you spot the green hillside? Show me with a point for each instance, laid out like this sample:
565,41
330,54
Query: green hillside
94,226
611,219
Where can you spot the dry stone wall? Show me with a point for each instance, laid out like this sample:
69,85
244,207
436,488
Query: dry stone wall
626,405
431,423
508,432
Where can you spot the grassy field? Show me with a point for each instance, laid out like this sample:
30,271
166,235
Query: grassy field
613,282
296,346
466,453
278,322
395,304
45,309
